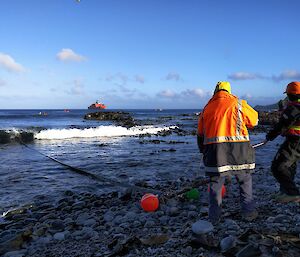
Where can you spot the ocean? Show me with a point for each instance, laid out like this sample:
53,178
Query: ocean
144,154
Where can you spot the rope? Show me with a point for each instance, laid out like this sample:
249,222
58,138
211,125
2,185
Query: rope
93,176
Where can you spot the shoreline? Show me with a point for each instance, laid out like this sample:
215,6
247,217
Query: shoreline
114,224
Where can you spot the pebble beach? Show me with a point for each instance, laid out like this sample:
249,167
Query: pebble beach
114,224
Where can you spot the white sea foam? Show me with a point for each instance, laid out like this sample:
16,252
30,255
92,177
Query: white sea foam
101,131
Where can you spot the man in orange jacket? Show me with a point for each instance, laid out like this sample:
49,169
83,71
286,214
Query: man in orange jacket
224,141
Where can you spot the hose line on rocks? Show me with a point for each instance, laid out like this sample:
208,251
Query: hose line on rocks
93,176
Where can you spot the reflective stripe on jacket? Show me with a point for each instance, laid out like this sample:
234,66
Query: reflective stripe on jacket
222,128
294,129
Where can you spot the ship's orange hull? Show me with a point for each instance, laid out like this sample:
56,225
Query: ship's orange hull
97,106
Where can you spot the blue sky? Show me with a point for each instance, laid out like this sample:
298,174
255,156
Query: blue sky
145,53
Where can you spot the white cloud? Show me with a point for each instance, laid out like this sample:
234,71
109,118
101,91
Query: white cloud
139,78
245,76
8,63
67,54
118,78
2,83
167,93
186,95
196,92
77,88
247,96
287,75
173,76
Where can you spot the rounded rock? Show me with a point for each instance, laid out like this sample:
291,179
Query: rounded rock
202,227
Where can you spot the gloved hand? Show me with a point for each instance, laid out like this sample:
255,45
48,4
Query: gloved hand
271,135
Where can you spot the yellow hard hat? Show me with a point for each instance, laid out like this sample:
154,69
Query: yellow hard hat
223,85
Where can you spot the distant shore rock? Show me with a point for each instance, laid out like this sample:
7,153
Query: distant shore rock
122,118
268,118
266,107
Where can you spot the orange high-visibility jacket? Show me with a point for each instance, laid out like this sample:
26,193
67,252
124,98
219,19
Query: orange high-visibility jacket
223,134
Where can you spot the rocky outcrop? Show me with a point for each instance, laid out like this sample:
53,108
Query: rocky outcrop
268,118
121,118
8,136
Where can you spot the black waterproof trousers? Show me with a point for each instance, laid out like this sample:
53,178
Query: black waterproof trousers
284,165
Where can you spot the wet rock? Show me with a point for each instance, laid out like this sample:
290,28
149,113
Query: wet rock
81,219
207,241
57,225
4,137
192,214
281,218
122,118
78,205
59,236
164,220
230,224
43,240
26,137
155,239
149,224
13,243
90,223
249,250
202,227
20,253
173,211
130,216
227,243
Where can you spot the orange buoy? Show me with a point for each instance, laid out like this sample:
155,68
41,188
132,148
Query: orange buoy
223,190
149,202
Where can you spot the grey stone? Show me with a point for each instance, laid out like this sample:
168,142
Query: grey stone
59,236
227,243
137,223
202,227
192,207
192,214
40,231
164,220
281,218
108,216
172,202
118,220
149,224
20,253
43,240
57,225
14,243
230,224
131,216
90,223
82,218
173,211
69,221
249,251
78,205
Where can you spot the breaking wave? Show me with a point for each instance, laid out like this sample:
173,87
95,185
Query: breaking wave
101,131
13,135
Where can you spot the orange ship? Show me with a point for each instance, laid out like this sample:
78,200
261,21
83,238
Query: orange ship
97,106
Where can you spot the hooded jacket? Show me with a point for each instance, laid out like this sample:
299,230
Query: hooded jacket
223,136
